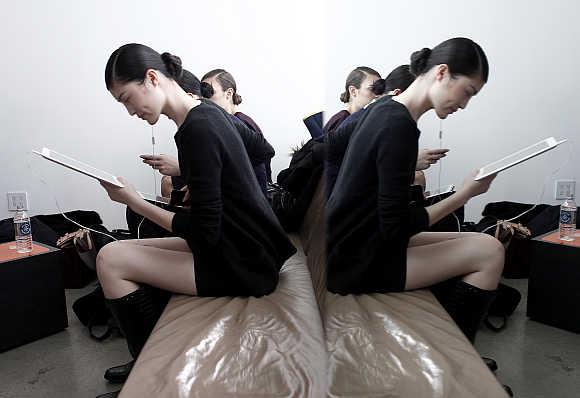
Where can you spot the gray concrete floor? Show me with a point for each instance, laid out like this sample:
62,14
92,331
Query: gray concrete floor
536,360
66,364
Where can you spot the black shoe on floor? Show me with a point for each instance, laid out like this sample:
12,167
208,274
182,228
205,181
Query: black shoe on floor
119,374
508,390
490,363
113,394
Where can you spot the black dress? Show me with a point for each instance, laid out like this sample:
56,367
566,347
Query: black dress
369,215
237,242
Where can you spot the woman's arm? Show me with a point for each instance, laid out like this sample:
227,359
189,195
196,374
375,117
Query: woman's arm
395,161
469,189
258,148
129,196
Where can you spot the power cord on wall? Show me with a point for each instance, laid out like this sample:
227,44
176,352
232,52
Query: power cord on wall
440,171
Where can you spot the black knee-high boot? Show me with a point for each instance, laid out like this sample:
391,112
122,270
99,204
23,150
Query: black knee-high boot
136,314
467,305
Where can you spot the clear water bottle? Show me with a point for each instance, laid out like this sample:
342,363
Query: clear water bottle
22,231
568,212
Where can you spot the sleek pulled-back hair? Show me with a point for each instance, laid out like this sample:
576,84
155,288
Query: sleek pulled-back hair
226,81
130,62
355,78
463,56
400,78
189,83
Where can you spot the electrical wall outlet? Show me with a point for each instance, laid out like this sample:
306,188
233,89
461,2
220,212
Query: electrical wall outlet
565,189
17,200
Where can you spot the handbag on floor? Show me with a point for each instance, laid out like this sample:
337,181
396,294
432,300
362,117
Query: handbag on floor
504,305
94,314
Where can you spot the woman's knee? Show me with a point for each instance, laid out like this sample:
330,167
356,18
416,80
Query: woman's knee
107,259
493,253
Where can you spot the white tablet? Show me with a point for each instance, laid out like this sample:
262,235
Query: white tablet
76,165
518,157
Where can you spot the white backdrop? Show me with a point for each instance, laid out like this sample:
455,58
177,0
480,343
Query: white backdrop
53,91
532,93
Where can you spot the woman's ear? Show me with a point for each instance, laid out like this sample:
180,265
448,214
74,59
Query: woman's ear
229,93
152,77
353,91
441,71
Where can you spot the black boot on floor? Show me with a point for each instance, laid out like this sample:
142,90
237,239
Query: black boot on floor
118,374
468,305
490,363
136,314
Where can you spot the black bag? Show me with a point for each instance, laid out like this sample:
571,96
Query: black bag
94,314
298,183
504,305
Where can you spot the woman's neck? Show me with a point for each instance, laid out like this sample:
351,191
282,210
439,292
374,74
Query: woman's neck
178,105
231,109
351,108
415,98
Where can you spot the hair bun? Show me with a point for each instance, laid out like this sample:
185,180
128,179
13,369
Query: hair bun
206,90
237,99
173,64
379,87
345,97
419,60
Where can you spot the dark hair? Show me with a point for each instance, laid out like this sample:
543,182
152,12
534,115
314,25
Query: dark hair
400,78
463,56
355,78
130,62
226,81
189,83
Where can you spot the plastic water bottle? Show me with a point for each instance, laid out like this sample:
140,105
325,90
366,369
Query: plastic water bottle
568,220
22,232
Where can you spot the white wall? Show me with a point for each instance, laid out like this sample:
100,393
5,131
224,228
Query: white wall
532,93
53,92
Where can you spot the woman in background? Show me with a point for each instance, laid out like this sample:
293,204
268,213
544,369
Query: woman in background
358,92
219,86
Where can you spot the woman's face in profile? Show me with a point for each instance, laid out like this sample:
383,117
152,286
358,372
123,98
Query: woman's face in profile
364,94
142,99
220,96
450,93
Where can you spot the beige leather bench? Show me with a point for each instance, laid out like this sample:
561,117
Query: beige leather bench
379,345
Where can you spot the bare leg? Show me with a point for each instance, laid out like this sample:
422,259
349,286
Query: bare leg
173,243
427,238
478,257
121,266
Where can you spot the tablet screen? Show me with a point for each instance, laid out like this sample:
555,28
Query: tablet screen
79,166
518,157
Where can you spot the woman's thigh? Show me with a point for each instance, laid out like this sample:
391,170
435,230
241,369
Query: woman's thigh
173,243
428,238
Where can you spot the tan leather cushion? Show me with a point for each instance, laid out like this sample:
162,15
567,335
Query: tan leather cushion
312,235
237,347
401,345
